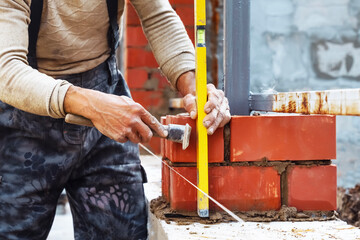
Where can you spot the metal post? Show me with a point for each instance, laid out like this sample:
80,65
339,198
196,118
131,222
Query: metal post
237,55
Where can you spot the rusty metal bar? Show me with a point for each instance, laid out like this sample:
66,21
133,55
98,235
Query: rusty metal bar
334,102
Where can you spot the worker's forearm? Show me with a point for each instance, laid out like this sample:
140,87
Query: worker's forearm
117,117
77,101
186,83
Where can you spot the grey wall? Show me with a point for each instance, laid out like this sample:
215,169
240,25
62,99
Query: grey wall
311,45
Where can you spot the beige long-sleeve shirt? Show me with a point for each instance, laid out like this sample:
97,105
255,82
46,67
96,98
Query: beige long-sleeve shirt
73,39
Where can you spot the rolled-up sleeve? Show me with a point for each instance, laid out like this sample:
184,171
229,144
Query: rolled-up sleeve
20,85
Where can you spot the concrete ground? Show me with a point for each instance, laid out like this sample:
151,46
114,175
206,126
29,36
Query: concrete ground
62,228
160,230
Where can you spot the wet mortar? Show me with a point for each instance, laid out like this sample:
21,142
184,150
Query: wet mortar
161,209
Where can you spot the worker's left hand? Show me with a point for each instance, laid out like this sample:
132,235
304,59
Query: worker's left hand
216,108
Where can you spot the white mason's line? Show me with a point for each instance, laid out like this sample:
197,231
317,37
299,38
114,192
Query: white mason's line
207,195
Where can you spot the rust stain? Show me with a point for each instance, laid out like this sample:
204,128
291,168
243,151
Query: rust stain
283,108
322,103
318,103
305,104
291,107
291,102
341,108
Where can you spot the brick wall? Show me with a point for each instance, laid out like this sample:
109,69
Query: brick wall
258,163
148,86
305,44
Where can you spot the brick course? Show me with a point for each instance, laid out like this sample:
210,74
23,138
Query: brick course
238,188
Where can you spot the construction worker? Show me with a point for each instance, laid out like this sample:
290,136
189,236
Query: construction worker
64,62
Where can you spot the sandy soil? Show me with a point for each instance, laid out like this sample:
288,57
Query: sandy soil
349,205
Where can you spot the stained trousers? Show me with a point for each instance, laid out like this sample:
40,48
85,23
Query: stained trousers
40,156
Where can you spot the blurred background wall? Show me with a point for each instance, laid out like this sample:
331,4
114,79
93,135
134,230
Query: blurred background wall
311,45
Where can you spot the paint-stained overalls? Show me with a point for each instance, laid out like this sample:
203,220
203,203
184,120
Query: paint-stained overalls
40,156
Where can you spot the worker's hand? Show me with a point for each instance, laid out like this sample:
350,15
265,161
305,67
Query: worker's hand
216,108
117,117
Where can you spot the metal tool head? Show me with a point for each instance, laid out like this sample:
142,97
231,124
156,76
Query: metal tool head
179,133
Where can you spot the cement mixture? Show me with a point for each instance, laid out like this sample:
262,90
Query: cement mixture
161,209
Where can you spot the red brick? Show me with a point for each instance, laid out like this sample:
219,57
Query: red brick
182,194
162,81
165,181
282,138
167,143
239,188
131,16
135,37
155,145
139,57
189,2
215,146
136,78
162,140
312,188
247,188
148,99
191,33
186,14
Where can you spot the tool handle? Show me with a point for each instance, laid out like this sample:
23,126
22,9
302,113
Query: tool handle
79,120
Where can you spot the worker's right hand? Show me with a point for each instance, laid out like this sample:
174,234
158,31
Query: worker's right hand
117,117
216,108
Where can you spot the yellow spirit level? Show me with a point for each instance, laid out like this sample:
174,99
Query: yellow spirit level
201,94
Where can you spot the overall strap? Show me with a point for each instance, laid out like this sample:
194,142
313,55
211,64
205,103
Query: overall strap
113,32
113,40
33,29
